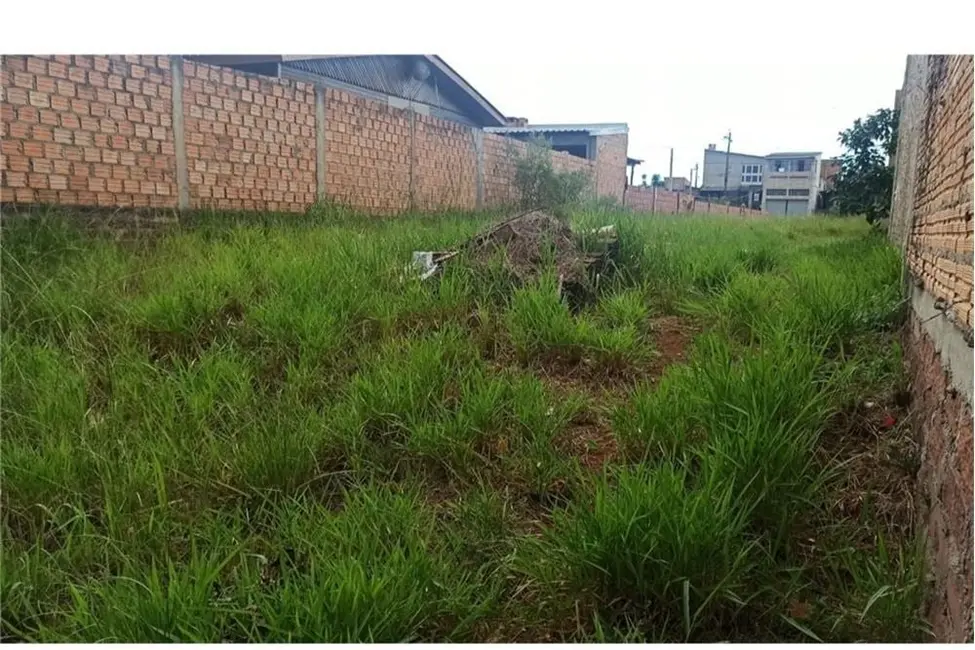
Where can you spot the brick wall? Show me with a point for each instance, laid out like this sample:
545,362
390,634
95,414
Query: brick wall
445,171
940,244
661,201
104,131
367,153
500,154
610,166
945,485
87,130
250,142
931,219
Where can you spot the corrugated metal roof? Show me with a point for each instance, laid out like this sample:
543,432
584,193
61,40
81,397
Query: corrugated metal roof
616,128
425,78
386,74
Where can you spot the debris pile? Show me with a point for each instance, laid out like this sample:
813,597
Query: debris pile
531,242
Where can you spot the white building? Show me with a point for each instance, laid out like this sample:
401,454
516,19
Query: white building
792,182
745,173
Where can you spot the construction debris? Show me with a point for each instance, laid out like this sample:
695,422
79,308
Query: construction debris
531,242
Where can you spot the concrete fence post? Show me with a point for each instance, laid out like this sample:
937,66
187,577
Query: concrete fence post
320,161
653,200
179,136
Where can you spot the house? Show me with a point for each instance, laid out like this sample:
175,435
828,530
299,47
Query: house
582,140
744,182
792,182
423,82
604,144
677,183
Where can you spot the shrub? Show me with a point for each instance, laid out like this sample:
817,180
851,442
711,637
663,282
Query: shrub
541,186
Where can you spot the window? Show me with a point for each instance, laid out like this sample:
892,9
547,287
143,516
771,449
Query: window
775,192
781,166
801,166
798,192
751,174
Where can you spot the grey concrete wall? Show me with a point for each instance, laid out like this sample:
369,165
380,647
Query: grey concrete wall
911,104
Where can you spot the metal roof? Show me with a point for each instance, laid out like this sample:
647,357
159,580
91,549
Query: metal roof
365,71
793,154
613,128
634,161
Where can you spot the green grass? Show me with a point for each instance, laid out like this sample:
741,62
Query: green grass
262,429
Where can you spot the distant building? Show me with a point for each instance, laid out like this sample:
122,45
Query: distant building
745,173
677,183
791,183
580,140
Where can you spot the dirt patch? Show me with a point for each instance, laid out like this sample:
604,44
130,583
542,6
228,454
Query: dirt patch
590,439
672,336
873,440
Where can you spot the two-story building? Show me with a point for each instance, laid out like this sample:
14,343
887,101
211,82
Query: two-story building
791,183
744,177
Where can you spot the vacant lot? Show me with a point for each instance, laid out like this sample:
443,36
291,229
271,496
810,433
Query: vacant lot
265,432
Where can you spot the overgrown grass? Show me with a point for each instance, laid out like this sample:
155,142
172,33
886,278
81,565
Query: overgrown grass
267,429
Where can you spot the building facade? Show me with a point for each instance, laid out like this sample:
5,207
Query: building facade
745,174
677,184
791,184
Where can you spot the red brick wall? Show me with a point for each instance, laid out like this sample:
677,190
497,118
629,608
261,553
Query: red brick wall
250,141
499,169
93,130
940,245
445,165
87,130
641,199
932,218
945,484
611,166
368,153
500,154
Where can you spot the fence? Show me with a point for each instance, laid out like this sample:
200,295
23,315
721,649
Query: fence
931,220
660,201
157,131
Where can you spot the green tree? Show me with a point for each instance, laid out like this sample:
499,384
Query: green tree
866,178
657,180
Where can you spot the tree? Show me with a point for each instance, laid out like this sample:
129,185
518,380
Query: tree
657,180
866,177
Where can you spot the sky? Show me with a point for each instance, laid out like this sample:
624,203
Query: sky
768,107
679,74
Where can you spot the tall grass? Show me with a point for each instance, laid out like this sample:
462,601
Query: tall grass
268,429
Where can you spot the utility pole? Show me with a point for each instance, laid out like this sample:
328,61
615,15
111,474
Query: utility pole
670,177
727,163
694,182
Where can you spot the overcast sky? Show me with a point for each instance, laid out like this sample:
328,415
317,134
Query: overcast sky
768,106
